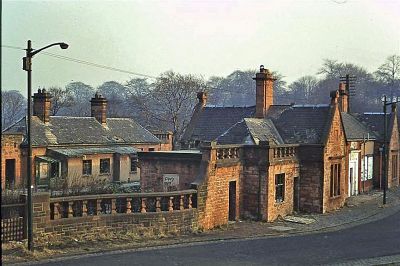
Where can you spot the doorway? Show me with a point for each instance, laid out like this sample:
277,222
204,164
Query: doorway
10,173
232,200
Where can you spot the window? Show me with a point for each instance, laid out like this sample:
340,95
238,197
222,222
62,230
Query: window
151,149
105,166
134,164
87,167
279,188
55,169
367,167
335,180
394,167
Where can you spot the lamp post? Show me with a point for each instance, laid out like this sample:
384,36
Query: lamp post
385,144
27,66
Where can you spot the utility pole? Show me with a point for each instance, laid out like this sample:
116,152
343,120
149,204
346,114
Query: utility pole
27,66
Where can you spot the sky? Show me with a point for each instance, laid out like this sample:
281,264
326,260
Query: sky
201,37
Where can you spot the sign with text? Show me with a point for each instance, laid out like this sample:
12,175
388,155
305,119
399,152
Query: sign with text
170,182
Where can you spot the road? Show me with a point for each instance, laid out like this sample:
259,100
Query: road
377,239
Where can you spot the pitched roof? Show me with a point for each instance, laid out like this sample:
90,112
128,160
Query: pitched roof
213,121
375,122
65,130
355,129
76,152
301,123
251,131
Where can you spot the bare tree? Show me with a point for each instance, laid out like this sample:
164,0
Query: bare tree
172,99
389,72
60,99
13,107
303,89
116,95
81,94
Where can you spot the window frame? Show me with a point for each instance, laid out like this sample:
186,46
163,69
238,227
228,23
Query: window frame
102,160
84,173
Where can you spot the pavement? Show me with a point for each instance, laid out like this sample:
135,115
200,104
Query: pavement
358,209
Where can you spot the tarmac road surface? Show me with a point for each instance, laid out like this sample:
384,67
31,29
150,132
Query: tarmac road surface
373,243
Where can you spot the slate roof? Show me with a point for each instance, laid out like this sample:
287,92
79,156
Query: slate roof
76,152
375,122
214,121
301,124
251,131
355,129
66,130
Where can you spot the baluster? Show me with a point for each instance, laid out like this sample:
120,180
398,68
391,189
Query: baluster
190,201
70,210
84,208
98,206
181,206
143,205
171,204
113,206
128,205
158,204
57,211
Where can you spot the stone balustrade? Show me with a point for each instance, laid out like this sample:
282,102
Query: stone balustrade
227,153
284,152
109,204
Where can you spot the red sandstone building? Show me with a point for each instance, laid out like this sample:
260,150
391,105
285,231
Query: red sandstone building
75,147
270,160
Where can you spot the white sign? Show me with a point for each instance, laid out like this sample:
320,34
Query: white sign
170,182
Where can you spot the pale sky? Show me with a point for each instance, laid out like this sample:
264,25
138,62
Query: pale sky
200,37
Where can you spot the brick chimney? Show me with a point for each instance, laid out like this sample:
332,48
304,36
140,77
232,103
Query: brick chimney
334,97
99,108
343,98
202,96
42,105
264,91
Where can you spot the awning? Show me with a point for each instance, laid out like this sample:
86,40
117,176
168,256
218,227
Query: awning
46,159
77,152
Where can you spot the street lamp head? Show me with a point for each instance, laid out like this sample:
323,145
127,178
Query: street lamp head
63,45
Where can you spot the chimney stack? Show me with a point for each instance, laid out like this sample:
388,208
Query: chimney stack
99,108
264,91
343,98
202,96
42,105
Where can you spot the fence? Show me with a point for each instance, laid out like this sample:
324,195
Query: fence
13,222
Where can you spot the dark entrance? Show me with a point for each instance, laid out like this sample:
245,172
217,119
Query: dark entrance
296,194
10,172
232,200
